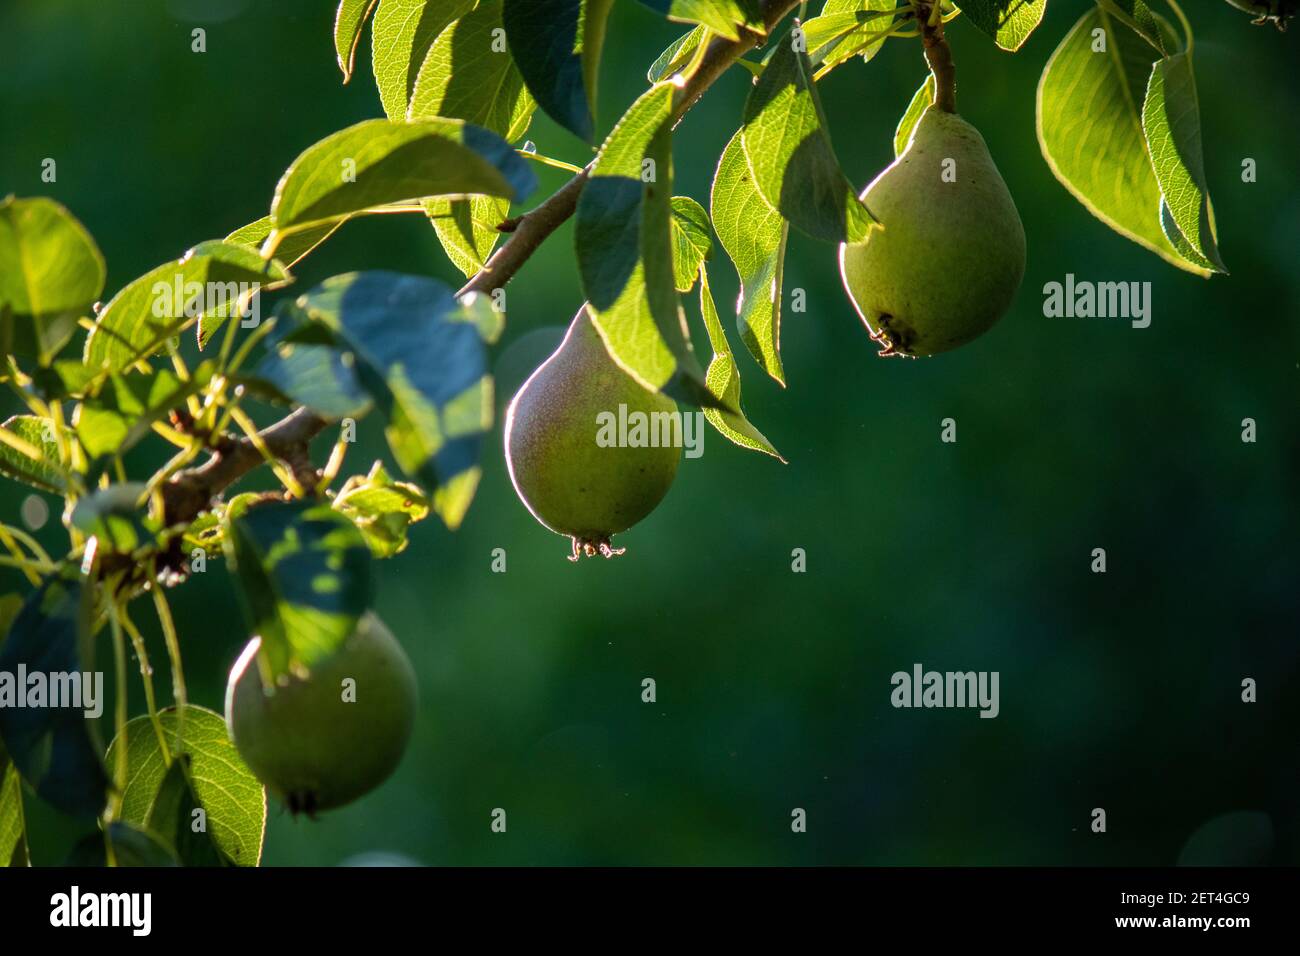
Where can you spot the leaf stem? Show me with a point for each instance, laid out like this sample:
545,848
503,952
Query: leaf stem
33,545
118,616
28,567
548,161
119,719
332,466
1183,22
164,612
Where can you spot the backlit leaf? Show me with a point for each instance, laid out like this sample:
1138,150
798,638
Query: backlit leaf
233,800
790,153
51,272
304,571
557,45
724,379
1090,130
754,236
377,162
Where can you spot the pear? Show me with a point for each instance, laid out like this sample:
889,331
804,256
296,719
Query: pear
949,256
573,483
314,748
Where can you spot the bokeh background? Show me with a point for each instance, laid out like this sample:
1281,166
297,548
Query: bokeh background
1118,690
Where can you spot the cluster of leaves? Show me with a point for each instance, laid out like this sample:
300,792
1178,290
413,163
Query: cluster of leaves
1119,124
459,82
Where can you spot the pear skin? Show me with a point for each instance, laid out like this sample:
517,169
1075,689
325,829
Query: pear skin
312,748
947,262
569,482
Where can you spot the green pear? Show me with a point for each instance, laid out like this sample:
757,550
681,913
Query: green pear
316,741
949,255
565,468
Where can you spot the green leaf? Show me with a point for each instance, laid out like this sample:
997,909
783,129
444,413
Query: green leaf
51,272
1090,131
723,17
304,571
65,378
790,153
754,235
53,747
625,254
557,47
127,406
1179,241
1008,22
469,74
677,56
233,799
132,846
42,470
114,516
377,162
692,241
382,508
304,365
921,101
1171,119
420,354
290,251
181,821
723,378
467,228
845,29
349,20
1138,16
400,38
13,825
211,279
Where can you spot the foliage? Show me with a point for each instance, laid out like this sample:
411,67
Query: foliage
458,83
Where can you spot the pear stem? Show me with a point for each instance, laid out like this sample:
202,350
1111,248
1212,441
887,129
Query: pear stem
939,55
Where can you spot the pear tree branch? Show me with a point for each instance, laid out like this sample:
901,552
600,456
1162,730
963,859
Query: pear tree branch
532,229
191,491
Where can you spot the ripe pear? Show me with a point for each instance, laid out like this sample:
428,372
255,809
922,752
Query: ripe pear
570,483
314,746
950,256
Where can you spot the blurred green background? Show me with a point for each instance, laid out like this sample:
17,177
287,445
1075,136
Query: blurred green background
1119,691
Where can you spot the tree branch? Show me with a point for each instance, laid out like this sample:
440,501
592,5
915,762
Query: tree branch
534,227
190,492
